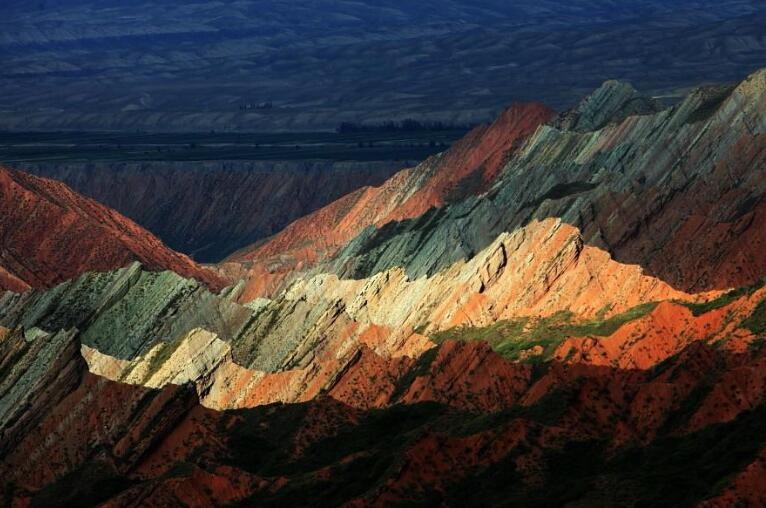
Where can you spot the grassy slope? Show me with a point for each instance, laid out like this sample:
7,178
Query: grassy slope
512,337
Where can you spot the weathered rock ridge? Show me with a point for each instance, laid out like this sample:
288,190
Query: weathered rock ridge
467,421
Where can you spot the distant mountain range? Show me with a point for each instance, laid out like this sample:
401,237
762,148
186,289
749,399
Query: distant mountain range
196,66
560,310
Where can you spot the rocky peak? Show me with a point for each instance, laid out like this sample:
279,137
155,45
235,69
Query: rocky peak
612,102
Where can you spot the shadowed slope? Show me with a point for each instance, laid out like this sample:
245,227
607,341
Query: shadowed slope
170,328
210,209
495,349
676,191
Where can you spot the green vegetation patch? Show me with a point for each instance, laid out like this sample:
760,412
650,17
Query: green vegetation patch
756,323
725,299
511,338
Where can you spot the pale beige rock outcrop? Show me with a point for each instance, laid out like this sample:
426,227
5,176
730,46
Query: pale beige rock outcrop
187,360
203,359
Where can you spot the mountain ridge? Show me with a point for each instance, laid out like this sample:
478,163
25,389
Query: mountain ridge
557,310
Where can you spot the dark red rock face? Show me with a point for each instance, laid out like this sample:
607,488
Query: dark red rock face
50,234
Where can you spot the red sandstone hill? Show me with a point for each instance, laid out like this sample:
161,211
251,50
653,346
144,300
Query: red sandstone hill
49,234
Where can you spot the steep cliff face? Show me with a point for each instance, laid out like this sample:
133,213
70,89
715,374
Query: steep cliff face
291,347
208,210
612,102
49,233
333,337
